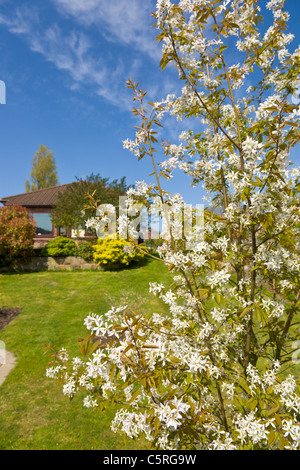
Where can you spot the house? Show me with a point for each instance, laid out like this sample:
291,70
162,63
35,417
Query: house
40,204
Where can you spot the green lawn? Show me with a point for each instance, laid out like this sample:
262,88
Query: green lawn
34,414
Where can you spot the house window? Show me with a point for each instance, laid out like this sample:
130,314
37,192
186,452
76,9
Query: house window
43,224
63,231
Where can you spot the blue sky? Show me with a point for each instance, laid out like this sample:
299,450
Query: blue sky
65,64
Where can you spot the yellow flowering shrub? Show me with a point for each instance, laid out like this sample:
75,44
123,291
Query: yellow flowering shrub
110,253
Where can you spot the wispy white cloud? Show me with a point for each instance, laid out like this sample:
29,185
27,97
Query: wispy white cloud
21,21
78,41
126,22
72,52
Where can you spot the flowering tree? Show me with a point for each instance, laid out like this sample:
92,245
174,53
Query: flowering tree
217,373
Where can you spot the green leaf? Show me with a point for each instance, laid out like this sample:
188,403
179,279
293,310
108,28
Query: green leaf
278,420
164,62
282,442
273,410
135,395
190,430
272,438
94,347
252,403
245,311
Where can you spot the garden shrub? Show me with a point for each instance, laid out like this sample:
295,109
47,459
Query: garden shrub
17,231
85,250
110,253
60,247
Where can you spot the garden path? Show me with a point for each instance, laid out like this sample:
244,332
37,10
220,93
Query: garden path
7,359
7,362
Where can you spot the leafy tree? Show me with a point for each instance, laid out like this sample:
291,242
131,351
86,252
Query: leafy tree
72,209
220,371
43,173
17,231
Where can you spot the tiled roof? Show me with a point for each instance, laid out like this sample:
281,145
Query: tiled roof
41,197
